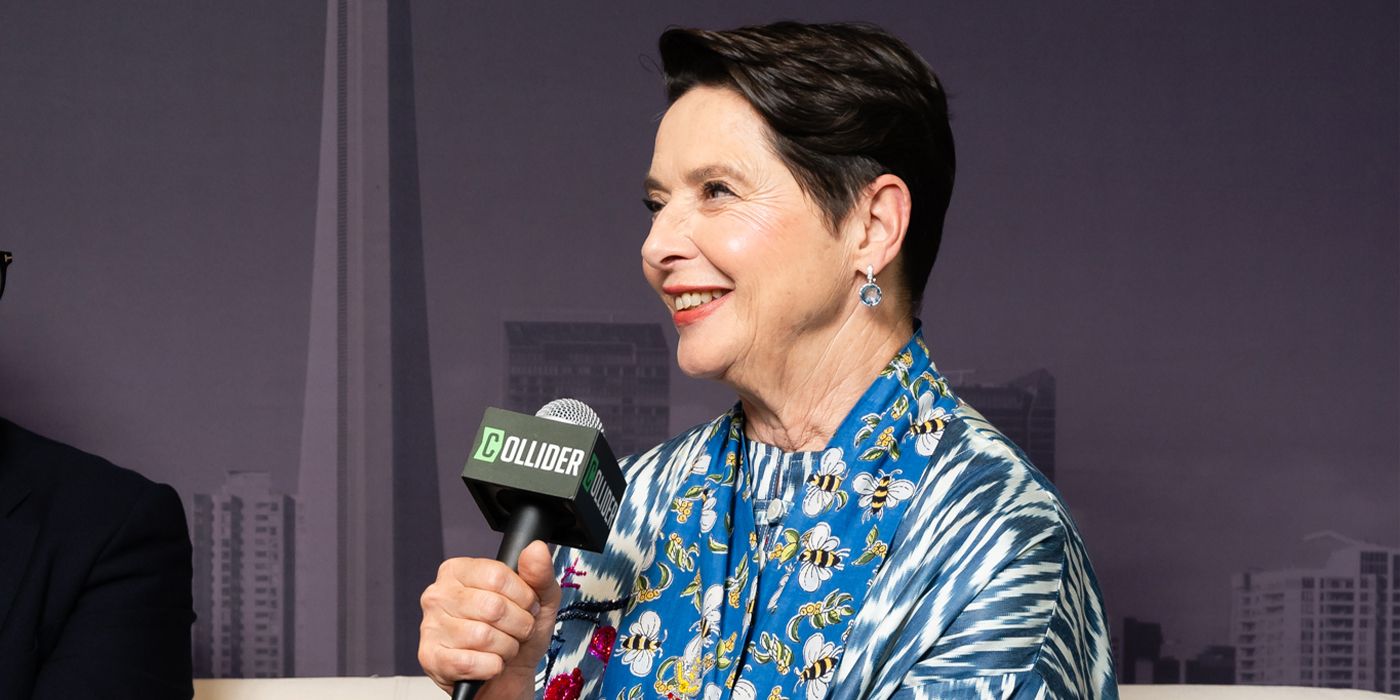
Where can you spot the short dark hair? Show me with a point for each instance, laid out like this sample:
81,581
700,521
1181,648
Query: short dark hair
845,103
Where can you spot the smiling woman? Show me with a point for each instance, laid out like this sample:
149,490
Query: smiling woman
850,528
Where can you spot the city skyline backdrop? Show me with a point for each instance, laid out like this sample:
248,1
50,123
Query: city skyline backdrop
1187,214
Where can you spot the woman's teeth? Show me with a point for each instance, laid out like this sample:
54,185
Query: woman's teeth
693,299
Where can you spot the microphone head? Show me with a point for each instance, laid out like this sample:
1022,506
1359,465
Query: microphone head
571,411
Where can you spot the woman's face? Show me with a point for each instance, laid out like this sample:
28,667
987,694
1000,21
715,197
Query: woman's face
738,253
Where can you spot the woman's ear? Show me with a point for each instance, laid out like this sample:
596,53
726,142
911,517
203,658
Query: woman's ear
885,209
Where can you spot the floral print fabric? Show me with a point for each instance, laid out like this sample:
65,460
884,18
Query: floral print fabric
763,600
735,570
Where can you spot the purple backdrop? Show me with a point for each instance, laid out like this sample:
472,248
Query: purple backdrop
1187,212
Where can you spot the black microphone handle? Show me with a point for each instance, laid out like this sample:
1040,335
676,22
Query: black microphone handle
526,525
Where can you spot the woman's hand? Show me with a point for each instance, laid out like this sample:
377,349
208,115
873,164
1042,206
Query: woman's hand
482,621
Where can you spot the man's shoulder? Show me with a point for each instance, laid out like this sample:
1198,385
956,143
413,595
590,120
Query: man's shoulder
64,477
103,558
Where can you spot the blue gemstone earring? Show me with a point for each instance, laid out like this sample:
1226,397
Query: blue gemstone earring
870,293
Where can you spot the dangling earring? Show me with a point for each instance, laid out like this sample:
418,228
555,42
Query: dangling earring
870,293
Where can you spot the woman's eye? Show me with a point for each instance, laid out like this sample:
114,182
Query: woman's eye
717,189
652,205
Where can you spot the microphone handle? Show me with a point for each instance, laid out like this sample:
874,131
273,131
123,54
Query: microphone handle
526,525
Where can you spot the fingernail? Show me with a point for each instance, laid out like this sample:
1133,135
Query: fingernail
535,608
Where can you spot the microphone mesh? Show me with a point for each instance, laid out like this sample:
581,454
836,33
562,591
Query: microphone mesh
571,411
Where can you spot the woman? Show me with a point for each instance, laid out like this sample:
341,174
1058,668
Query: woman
850,528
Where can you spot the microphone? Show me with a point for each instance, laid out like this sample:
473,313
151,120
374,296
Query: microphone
550,476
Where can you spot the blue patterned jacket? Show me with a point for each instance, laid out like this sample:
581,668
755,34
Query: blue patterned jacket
986,590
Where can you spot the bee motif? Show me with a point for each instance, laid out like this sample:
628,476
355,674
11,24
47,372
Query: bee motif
819,557
932,427
824,487
818,664
878,493
642,644
708,625
930,424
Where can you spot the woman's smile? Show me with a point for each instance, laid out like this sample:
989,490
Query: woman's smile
693,307
690,304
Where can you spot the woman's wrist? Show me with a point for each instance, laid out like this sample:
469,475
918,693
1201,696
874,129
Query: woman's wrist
512,684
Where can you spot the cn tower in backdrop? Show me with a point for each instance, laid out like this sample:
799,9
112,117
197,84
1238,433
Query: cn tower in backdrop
371,532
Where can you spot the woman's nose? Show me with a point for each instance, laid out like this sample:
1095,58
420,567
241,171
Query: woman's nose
669,239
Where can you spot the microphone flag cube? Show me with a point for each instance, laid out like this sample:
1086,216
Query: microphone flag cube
566,470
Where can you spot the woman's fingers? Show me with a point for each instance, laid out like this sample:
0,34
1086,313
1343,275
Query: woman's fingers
490,608
479,636
446,665
488,575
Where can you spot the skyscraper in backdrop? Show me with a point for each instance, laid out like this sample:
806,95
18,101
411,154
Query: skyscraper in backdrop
1337,626
622,370
370,533
244,579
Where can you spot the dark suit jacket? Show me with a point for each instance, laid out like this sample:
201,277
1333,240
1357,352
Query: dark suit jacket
94,577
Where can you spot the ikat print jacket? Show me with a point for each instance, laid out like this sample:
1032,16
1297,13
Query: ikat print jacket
982,589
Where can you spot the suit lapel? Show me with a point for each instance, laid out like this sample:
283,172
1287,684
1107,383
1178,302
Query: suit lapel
17,533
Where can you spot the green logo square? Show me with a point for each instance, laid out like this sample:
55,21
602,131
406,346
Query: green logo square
591,474
491,441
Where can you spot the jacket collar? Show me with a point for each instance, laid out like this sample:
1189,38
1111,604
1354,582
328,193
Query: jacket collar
14,481
17,532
